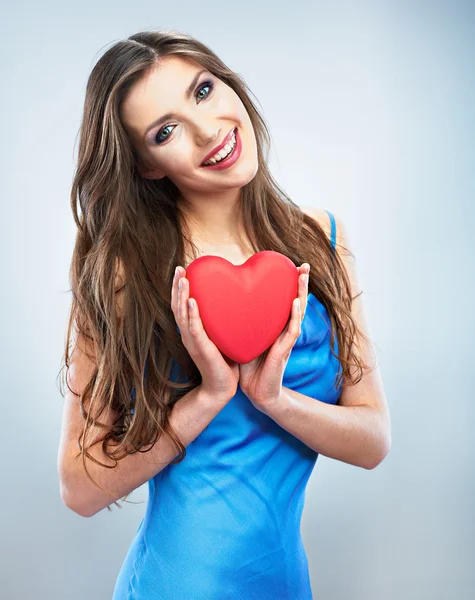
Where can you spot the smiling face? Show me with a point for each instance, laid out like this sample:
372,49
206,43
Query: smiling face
193,125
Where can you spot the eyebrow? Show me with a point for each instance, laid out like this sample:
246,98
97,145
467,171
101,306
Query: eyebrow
188,92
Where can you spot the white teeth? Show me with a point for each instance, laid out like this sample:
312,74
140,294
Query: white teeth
218,157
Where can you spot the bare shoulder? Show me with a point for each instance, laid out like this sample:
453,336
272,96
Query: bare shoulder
342,242
119,287
369,390
119,275
321,216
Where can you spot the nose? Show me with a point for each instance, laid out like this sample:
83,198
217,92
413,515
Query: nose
206,136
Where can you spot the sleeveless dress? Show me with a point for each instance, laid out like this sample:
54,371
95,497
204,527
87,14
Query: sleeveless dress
224,524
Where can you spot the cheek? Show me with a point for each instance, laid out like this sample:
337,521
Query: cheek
176,161
247,130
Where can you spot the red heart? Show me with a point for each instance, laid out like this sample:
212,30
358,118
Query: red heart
244,308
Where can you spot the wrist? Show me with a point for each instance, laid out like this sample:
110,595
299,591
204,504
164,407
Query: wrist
213,397
273,408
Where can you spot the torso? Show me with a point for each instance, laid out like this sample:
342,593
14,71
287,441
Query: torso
235,254
238,254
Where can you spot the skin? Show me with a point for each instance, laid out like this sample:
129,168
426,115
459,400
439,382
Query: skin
357,431
209,198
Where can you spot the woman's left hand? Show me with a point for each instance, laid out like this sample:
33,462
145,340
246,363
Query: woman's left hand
263,384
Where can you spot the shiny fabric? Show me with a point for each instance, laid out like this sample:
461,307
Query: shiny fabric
224,524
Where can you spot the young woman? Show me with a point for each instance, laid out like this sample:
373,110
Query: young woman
227,449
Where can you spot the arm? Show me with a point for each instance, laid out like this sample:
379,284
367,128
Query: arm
190,415
356,435
357,430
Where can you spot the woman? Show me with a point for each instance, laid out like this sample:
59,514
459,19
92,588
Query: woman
226,449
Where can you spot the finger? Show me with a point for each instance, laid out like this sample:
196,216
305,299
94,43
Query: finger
194,318
303,294
174,300
292,332
183,302
304,269
295,321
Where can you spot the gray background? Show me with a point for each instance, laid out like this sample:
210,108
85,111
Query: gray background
371,108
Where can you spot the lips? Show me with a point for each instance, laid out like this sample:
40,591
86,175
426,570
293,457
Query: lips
220,147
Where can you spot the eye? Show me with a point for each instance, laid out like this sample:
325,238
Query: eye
206,84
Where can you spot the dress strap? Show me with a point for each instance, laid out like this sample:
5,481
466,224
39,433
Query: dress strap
333,230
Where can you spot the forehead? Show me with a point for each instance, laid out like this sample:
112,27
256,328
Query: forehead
157,92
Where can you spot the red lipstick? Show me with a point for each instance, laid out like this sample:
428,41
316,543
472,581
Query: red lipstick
229,160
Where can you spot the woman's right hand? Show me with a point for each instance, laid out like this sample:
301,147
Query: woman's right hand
220,375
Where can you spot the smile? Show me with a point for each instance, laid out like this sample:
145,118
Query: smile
228,155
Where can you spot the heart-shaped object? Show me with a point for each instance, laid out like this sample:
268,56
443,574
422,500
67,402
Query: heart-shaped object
244,308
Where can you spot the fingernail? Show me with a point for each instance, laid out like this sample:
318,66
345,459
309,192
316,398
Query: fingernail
180,284
176,272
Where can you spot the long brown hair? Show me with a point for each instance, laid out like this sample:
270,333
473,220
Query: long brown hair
134,222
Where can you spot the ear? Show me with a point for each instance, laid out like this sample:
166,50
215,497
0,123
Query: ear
147,171
150,173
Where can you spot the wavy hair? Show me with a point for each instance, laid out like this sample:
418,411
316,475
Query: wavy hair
125,220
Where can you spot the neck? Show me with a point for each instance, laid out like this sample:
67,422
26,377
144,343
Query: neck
212,219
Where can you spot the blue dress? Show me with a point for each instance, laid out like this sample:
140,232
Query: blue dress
224,524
